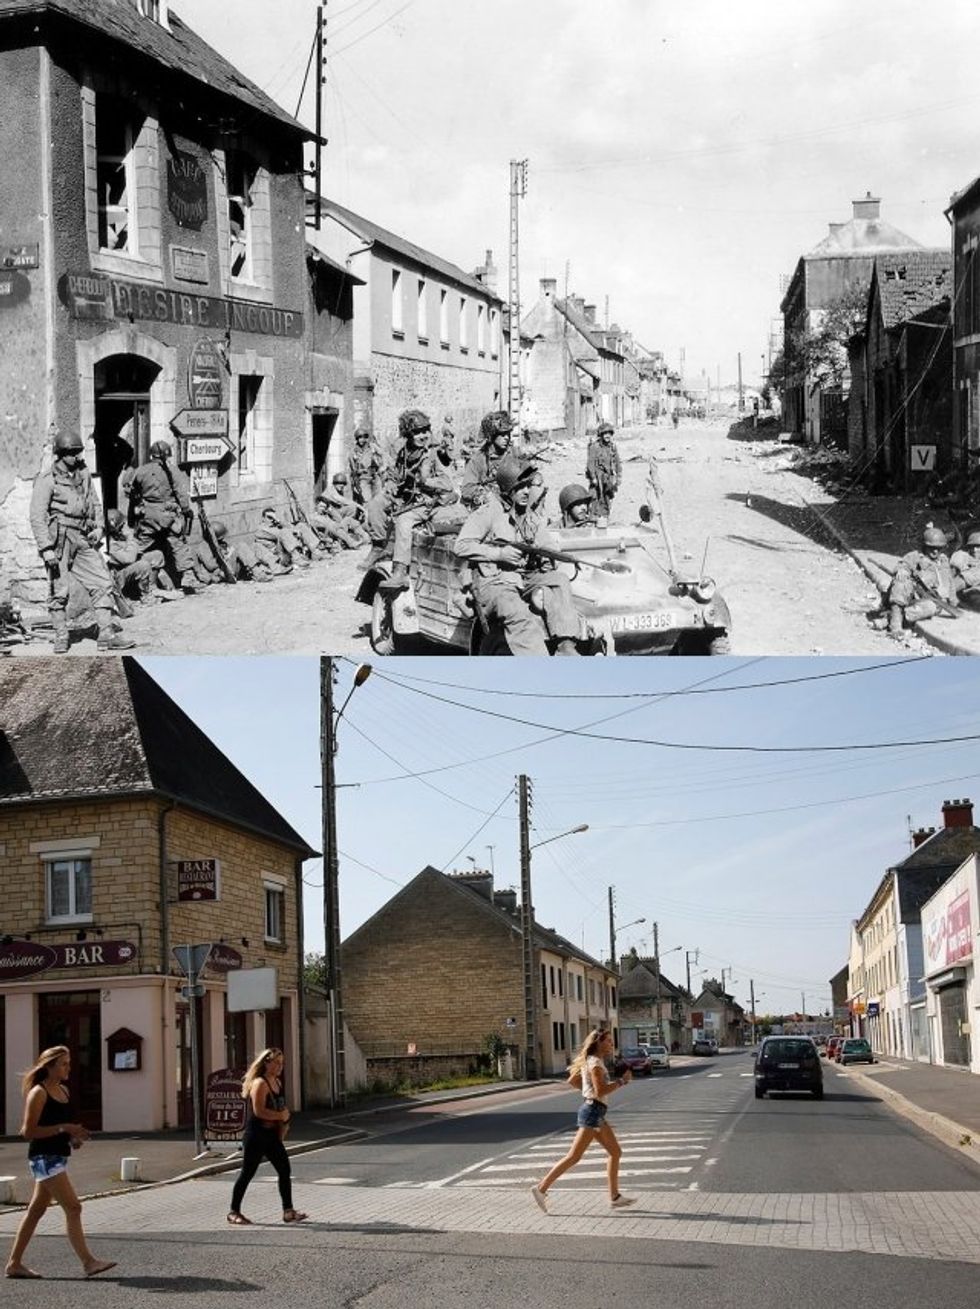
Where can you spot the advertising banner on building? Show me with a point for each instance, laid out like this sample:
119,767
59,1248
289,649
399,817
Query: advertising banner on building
947,934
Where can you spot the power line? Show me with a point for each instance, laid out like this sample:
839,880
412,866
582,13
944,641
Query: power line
470,839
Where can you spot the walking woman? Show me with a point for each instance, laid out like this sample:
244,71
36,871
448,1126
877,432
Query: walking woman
588,1070
265,1127
52,1135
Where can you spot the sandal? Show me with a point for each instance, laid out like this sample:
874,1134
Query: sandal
293,1216
238,1220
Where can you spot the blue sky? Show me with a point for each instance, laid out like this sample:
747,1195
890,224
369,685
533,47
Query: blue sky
681,156
757,860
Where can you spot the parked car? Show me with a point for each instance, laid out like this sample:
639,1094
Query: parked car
634,1058
788,1063
658,1055
833,1045
704,1046
856,1050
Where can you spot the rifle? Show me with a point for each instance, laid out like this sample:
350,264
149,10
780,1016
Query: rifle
943,605
556,556
207,531
296,510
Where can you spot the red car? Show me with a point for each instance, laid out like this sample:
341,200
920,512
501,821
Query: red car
834,1043
636,1060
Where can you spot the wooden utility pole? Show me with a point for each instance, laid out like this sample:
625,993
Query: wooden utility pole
752,995
331,879
318,147
518,189
527,932
656,955
612,930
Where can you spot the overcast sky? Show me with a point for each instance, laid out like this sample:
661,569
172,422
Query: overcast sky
757,860
681,156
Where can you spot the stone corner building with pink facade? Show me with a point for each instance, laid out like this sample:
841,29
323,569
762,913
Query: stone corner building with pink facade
124,831
154,275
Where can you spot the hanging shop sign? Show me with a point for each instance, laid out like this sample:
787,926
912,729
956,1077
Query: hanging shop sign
189,265
224,1108
93,296
23,959
94,954
205,375
14,288
198,879
224,958
187,190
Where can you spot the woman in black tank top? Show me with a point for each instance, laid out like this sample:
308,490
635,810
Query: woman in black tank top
52,1135
265,1126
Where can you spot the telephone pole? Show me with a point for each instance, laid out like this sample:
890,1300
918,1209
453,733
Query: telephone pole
656,955
687,960
612,930
331,880
318,147
752,995
527,931
741,393
518,189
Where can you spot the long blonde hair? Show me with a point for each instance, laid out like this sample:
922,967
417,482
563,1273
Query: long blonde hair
36,1074
256,1069
589,1047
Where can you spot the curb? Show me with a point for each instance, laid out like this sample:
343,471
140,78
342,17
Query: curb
951,1133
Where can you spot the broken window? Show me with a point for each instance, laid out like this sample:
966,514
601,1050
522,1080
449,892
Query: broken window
248,399
240,181
115,164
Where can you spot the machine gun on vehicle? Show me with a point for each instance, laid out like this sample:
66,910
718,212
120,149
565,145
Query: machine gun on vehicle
556,556
207,531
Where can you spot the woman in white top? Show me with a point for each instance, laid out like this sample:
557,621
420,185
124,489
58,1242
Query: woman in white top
588,1071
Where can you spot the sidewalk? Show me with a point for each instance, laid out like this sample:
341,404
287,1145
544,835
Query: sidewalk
943,1101
169,1156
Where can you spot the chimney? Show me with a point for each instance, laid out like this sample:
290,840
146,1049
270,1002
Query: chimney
479,879
836,227
578,304
869,207
549,287
957,813
921,834
506,900
590,315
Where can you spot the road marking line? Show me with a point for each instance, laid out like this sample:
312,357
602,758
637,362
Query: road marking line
444,1181
716,1074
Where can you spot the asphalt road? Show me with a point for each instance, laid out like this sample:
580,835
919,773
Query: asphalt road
781,1202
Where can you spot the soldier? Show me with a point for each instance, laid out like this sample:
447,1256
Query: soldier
246,563
921,579
480,473
575,501
603,469
447,440
65,521
163,514
966,566
134,572
421,491
366,467
338,517
501,582
292,545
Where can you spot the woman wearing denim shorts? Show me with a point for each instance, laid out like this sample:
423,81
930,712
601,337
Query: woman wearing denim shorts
52,1135
588,1070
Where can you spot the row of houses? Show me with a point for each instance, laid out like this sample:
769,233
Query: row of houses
655,1010
903,400
165,274
910,984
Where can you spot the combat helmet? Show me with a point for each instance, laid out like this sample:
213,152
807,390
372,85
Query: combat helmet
933,537
497,423
115,520
603,428
411,422
511,475
161,450
66,443
573,494
220,531
973,539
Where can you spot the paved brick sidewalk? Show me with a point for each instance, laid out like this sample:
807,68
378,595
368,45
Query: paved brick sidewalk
945,1101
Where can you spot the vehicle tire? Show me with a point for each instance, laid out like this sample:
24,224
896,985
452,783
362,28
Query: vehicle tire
382,636
760,1093
720,645
818,1094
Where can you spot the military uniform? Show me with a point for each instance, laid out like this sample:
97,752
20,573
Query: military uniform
291,545
246,563
365,468
336,519
480,475
905,595
499,587
134,572
421,492
604,471
161,508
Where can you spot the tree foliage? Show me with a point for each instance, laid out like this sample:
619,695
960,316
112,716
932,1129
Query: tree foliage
817,354
315,970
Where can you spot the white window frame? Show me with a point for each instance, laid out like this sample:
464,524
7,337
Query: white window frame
49,859
494,333
481,328
131,208
256,281
262,435
464,340
397,304
274,886
444,316
422,309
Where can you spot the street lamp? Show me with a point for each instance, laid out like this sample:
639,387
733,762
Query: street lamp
329,719
527,925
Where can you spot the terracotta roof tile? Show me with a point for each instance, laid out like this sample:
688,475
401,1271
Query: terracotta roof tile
912,281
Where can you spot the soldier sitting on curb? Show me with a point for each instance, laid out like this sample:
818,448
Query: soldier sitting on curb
966,570
247,563
135,573
337,517
923,585
291,545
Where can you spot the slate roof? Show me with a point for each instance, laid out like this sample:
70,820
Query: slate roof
367,230
923,872
178,50
911,282
88,728
862,237
640,982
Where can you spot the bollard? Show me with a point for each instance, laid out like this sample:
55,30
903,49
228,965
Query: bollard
130,1169
7,1190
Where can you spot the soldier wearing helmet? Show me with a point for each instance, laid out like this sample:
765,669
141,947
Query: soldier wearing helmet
504,578
134,573
336,519
421,493
575,503
965,563
65,515
162,512
603,469
365,467
479,475
246,561
293,545
923,584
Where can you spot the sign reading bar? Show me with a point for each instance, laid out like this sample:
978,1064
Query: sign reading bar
198,879
224,1106
94,954
92,296
201,422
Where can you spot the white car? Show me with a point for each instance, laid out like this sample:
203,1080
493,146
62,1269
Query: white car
658,1055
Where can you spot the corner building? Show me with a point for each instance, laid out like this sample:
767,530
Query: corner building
153,279
124,831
